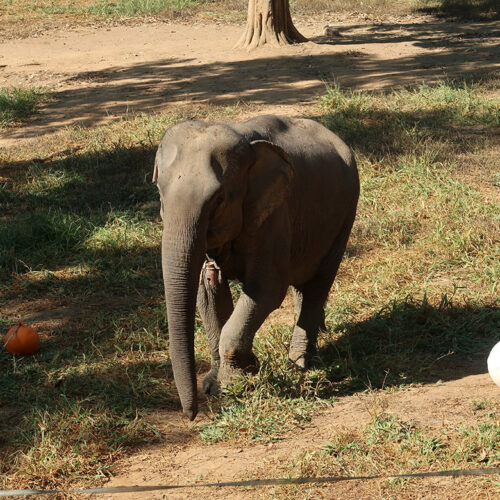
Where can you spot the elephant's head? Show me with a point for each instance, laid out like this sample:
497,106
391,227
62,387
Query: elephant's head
213,185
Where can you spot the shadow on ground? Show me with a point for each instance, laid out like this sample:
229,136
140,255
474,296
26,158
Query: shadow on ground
411,342
110,363
464,9
452,50
98,306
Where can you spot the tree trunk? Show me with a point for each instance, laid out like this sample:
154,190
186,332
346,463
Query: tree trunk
269,21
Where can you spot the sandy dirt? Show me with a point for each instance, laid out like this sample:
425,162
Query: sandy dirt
183,460
96,75
100,74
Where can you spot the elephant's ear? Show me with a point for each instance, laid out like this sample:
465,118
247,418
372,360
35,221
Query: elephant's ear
269,181
165,156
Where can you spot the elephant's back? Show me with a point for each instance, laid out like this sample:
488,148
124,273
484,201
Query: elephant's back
312,146
325,188
284,128
324,165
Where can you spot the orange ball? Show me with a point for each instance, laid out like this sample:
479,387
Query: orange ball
21,339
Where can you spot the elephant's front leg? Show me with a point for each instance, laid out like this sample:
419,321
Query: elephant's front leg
215,306
238,333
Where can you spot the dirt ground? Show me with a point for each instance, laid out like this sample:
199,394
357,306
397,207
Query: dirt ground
98,74
183,460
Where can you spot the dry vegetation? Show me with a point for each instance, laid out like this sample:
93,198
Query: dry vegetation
80,226
21,18
80,233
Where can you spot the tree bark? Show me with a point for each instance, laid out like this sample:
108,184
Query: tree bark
269,21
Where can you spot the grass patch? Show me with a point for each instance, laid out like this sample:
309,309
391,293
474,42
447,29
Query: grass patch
16,105
404,119
389,445
122,8
262,408
431,227
85,9
79,404
403,344
80,228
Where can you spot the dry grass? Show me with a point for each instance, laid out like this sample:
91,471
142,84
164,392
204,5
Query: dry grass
80,228
389,445
21,18
17,105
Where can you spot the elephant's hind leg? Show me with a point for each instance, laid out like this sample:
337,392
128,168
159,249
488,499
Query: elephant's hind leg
215,306
310,300
309,303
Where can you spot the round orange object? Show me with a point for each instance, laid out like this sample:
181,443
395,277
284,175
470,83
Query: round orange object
21,339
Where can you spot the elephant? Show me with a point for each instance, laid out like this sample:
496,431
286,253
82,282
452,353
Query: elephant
269,202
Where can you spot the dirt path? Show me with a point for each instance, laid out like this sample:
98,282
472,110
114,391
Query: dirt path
189,462
100,74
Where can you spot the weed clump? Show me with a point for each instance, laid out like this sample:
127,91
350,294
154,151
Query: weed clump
17,104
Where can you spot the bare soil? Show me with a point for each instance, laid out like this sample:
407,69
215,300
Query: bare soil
183,460
99,74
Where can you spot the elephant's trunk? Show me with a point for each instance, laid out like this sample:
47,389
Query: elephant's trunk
183,252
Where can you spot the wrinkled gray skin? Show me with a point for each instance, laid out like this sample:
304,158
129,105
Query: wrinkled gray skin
271,202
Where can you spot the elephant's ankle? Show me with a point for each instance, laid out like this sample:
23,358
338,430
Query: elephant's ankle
234,363
210,384
303,358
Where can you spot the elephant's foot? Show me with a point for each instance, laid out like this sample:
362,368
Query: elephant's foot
210,384
234,363
302,359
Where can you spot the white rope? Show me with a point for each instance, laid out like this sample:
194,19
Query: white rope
257,482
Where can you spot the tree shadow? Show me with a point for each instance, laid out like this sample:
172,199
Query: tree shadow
295,76
99,327
409,342
84,405
451,37
464,9
74,197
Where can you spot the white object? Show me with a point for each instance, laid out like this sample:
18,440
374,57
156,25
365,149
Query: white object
494,364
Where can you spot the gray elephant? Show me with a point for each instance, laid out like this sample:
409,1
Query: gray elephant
269,202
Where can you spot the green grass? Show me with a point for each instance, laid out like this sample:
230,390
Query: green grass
21,12
17,104
264,407
389,445
122,8
99,8
414,145
80,229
